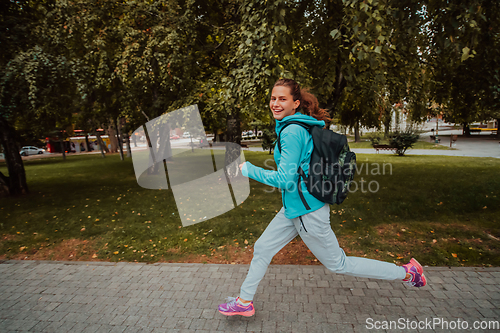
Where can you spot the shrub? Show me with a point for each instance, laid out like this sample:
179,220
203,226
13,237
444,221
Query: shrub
268,139
374,138
403,140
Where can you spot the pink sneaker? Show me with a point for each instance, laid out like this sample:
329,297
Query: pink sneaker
416,271
233,307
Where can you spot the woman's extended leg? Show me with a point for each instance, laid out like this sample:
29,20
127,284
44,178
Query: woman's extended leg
277,234
323,243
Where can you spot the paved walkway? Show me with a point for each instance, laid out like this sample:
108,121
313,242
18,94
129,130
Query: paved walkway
474,146
45,296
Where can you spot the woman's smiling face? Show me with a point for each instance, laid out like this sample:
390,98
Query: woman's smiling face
282,103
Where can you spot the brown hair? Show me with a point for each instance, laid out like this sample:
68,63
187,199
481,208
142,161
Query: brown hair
308,102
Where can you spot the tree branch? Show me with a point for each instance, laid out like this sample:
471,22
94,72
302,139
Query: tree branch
145,115
220,44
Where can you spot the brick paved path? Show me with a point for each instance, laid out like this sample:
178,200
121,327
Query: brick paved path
47,296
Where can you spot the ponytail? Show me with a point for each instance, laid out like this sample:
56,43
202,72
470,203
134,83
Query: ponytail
308,102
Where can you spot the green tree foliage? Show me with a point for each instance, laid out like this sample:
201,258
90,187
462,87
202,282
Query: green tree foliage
355,51
465,57
35,86
95,62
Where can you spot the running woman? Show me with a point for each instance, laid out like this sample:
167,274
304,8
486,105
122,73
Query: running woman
293,219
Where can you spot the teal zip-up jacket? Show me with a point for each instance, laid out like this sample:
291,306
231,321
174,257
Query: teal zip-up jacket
296,149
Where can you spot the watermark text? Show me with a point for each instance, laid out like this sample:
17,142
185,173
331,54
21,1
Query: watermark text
432,324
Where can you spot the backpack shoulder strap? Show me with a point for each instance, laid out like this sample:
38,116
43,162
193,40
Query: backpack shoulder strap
300,171
306,126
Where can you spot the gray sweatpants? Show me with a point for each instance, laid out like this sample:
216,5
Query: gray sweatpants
315,230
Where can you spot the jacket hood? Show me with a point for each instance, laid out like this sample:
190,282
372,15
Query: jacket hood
298,117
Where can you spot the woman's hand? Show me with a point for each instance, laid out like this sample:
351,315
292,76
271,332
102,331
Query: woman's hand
241,166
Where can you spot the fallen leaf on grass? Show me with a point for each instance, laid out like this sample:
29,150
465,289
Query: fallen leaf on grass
492,237
454,255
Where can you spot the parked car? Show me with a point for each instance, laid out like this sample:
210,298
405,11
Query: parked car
186,135
174,137
31,150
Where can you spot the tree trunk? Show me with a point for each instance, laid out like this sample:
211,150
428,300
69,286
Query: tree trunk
119,137
15,183
340,84
112,138
101,144
164,148
129,150
63,148
498,128
87,143
387,118
168,144
149,144
233,134
134,139
466,129
4,186
357,137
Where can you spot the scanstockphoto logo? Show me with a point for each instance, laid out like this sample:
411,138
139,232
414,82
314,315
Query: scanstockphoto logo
204,181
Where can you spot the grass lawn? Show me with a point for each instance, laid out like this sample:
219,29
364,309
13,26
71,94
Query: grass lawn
442,210
367,144
417,145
